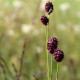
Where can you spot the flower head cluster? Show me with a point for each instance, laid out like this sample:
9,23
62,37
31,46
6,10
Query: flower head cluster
52,44
58,55
44,20
49,10
52,48
49,7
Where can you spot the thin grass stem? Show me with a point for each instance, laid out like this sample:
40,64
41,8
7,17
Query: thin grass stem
57,71
51,65
47,37
21,61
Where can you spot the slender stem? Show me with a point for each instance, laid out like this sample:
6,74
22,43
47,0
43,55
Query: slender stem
47,54
47,41
4,71
21,61
47,37
57,71
5,64
51,65
48,27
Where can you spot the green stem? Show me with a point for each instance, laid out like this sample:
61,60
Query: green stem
48,27
47,65
47,53
51,65
57,71
47,37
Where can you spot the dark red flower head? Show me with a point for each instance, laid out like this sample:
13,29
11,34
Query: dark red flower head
52,44
58,55
44,20
49,7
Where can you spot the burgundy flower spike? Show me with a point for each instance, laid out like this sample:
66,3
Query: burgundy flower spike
49,7
58,55
44,20
52,44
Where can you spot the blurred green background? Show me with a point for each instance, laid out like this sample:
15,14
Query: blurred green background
20,19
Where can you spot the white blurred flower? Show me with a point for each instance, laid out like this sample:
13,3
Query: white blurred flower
39,49
17,4
26,28
78,14
61,26
64,7
43,2
76,28
10,32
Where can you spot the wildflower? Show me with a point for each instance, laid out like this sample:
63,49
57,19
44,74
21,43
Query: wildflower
49,7
58,55
52,44
44,20
76,28
26,28
17,4
10,32
39,49
64,7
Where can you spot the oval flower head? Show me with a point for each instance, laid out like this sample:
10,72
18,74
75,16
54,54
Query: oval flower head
49,7
52,44
44,20
58,55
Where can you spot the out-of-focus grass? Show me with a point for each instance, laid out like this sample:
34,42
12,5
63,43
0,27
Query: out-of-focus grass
20,19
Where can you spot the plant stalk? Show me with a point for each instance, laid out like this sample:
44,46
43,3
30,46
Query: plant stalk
47,37
51,65
21,61
57,71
